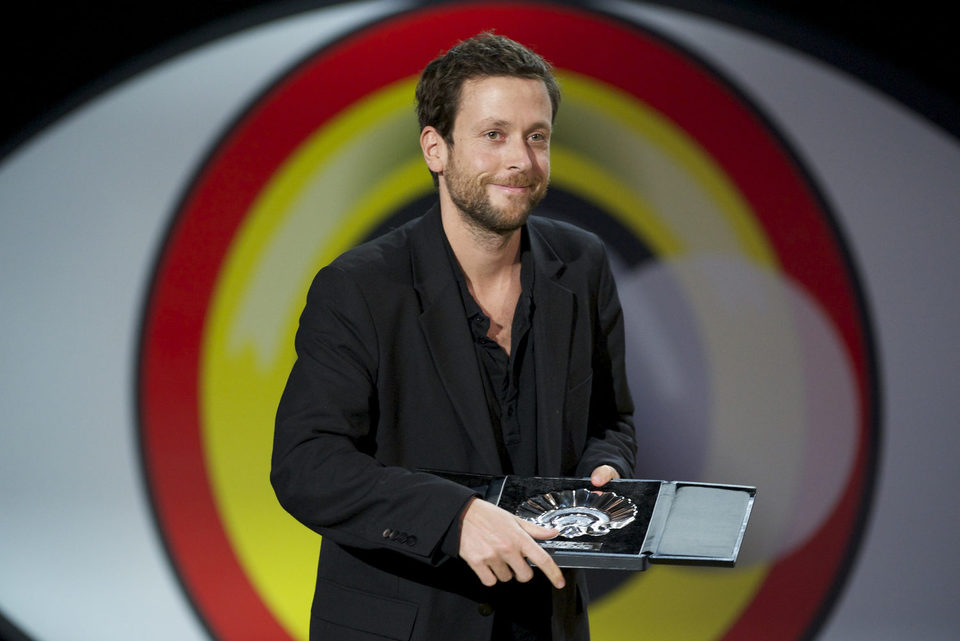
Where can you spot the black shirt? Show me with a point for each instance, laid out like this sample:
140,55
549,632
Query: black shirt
522,610
509,382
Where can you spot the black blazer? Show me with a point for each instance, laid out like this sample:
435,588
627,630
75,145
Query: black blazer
387,382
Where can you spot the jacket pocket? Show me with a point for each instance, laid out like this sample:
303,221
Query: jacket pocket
359,614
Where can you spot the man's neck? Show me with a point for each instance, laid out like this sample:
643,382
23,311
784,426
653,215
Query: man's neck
485,257
491,266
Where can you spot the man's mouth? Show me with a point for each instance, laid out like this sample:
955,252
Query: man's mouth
513,185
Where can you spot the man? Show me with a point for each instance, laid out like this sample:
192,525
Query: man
471,340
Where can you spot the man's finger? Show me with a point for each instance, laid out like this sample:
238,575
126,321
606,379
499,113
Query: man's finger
502,570
539,557
485,574
537,531
603,475
522,572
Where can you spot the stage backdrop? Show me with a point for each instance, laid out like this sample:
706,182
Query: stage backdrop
783,241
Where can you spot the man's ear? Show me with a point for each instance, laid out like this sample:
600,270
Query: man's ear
434,149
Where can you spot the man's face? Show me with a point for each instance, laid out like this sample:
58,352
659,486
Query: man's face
498,168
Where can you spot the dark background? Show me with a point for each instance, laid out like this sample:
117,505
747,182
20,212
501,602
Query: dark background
56,55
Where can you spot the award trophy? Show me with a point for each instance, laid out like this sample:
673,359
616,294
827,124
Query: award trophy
626,524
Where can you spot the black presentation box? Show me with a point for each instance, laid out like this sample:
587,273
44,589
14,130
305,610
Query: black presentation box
627,524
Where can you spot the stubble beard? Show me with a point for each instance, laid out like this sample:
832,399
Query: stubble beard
469,194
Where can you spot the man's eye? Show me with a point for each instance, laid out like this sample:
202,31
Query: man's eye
492,135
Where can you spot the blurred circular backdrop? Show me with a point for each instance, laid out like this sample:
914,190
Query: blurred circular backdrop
749,350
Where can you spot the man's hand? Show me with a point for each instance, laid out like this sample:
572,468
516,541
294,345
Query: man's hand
603,475
496,545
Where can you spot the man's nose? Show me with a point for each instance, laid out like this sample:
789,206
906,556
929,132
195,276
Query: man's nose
518,154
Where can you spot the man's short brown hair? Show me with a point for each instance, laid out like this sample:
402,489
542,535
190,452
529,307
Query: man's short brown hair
486,54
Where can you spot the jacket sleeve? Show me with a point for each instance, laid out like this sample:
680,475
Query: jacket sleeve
323,469
611,438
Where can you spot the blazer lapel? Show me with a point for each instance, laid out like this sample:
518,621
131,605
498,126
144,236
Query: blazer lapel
553,324
448,336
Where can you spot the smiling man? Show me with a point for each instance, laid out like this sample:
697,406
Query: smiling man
503,143
474,339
